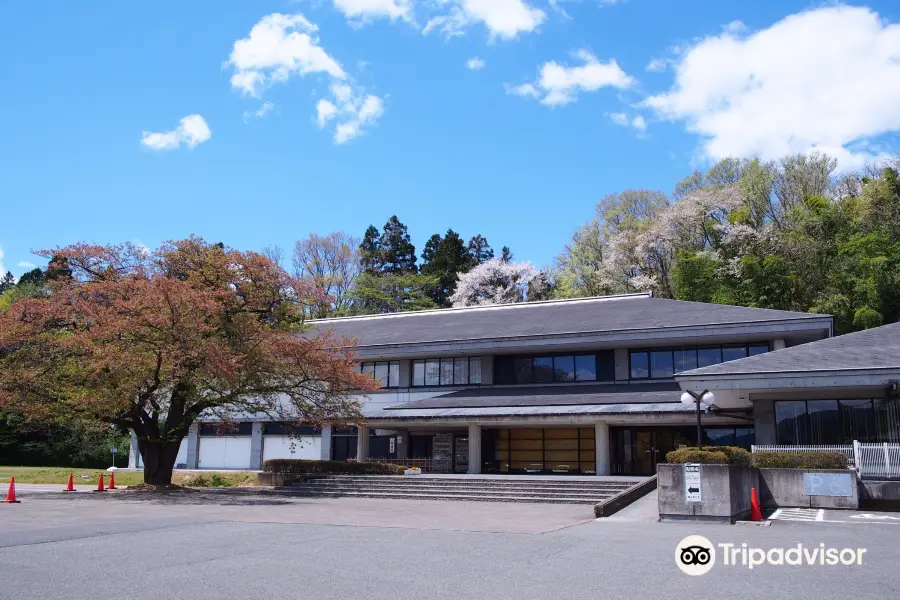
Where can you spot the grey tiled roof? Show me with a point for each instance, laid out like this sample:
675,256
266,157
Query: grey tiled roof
877,348
596,315
558,395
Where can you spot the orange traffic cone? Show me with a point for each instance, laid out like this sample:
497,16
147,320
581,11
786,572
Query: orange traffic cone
112,480
100,484
755,512
70,487
11,494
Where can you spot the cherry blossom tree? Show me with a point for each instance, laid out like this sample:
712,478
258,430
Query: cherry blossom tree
149,342
494,282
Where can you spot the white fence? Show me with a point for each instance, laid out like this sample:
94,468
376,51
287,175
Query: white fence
872,461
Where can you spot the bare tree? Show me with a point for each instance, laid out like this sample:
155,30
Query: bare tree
330,263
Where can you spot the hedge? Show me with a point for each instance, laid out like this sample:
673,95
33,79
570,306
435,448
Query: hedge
694,455
313,467
712,455
799,460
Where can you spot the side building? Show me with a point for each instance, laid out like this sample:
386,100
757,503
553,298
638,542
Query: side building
582,386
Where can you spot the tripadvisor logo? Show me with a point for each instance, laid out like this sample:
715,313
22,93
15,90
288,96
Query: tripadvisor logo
696,555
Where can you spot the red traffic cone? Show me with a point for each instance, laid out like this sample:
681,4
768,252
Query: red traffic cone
755,512
70,487
11,494
100,484
112,481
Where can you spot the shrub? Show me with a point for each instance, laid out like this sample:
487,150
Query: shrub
799,460
695,455
324,467
724,455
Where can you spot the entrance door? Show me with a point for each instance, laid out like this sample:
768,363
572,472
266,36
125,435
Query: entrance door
645,452
637,450
460,454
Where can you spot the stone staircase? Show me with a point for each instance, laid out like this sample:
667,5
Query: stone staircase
486,489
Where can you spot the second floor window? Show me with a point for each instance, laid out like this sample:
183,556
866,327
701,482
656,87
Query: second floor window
663,363
461,370
386,373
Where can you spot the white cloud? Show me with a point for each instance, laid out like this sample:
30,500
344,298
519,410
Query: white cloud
364,11
638,122
822,80
475,64
525,90
560,84
504,19
278,47
24,264
262,111
191,131
352,110
657,65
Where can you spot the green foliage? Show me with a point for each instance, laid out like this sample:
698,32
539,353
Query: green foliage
694,455
866,318
315,467
69,444
799,460
387,293
445,258
736,456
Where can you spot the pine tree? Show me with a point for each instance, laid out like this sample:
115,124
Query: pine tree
370,251
479,250
398,255
506,255
445,258
7,282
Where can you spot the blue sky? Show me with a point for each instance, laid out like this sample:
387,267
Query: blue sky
138,122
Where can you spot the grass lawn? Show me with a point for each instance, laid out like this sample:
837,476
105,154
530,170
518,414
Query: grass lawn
123,478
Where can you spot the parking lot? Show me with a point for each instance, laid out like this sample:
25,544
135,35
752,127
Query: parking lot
220,545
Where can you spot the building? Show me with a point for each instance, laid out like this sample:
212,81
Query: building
585,386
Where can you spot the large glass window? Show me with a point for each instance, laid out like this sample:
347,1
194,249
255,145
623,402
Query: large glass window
552,450
522,370
815,422
564,368
434,372
585,367
663,363
385,373
543,370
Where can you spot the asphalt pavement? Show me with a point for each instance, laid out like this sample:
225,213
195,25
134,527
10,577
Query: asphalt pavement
209,546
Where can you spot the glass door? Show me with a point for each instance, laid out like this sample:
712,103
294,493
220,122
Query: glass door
645,452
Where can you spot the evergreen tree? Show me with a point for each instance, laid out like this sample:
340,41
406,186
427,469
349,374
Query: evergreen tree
445,258
506,254
34,277
370,251
479,250
397,253
8,282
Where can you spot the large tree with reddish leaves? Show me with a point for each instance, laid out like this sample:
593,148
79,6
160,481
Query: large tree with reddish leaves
150,341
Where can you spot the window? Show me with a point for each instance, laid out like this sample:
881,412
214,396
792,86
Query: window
564,368
223,428
586,368
543,370
522,370
640,365
813,422
663,363
434,372
385,373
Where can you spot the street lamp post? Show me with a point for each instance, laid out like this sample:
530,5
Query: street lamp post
706,398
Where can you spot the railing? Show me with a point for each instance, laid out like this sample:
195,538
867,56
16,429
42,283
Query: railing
877,461
846,450
871,460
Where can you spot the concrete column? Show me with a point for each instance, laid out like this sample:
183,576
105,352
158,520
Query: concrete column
362,443
622,372
474,449
256,445
402,444
193,446
601,447
133,451
778,345
326,443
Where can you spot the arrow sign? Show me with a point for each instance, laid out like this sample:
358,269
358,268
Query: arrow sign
693,488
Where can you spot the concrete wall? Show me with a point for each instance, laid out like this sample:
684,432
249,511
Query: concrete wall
725,493
784,488
225,452
308,447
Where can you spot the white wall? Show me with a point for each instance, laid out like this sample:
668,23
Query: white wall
224,452
279,446
181,459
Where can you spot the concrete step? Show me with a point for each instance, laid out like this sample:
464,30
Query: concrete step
420,491
463,482
423,486
444,496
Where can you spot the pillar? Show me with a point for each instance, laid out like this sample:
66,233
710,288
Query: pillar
362,443
778,345
474,449
601,447
256,445
325,450
133,451
193,446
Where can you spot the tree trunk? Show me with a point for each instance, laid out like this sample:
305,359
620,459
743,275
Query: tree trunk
159,460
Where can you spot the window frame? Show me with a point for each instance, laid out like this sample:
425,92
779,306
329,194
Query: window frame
371,366
441,362
674,350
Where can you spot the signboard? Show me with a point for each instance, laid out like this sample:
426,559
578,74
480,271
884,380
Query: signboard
392,446
113,450
693,490
828,484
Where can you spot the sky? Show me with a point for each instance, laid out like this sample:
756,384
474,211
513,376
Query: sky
256,123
